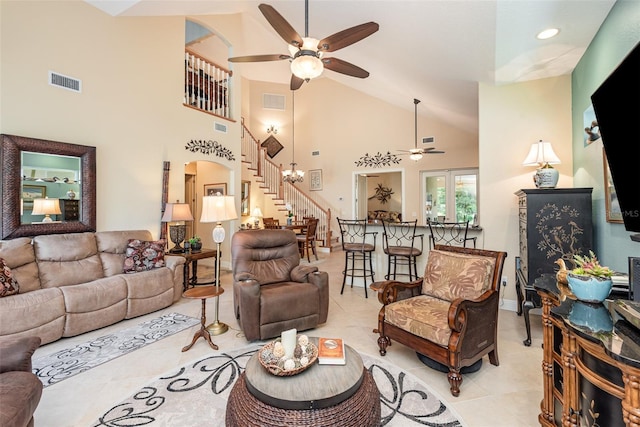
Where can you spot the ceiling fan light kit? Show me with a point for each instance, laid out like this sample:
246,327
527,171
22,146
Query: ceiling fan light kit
292,175
306,53
416,153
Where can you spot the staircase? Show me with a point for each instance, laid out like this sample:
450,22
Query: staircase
269,175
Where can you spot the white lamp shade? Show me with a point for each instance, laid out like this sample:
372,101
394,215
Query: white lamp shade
218,208
540,154
46,207
257,213
177,212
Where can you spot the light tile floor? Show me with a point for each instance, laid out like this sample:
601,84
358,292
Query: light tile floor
508,395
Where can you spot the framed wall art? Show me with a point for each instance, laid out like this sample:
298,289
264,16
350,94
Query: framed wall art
315,179
272,145
214,189
31,192
614,213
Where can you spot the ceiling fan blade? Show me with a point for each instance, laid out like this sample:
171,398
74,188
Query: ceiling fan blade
282,27
347,37
434,152
296,82
259,58
343,67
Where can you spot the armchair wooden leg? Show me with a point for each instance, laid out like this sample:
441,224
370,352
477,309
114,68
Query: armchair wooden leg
455,379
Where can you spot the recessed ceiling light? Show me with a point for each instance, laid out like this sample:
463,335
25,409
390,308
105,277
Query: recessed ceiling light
548,33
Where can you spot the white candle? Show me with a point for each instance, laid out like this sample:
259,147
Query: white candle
288,339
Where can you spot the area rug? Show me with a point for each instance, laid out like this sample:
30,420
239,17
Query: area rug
66,363
196,394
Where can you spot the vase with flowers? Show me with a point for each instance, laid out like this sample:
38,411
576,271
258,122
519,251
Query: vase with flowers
589,281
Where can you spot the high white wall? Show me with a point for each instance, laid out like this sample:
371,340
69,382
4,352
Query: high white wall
512,117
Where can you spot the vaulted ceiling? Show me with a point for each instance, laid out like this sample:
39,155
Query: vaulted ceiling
434,50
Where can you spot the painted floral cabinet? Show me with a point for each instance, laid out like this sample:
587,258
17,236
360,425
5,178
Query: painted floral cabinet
553,223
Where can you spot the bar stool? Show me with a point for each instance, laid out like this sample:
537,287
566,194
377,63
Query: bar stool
357,249
449,234
399,243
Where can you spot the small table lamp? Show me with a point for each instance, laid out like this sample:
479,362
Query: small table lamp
218,209
46,207
177,212
541,155
256,214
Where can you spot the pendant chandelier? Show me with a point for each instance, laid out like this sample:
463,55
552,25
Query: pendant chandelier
292,175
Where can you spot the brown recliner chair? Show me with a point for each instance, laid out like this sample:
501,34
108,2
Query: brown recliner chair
272,292
20,389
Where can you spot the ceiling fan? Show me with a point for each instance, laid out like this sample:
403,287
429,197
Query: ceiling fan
306,53
416,153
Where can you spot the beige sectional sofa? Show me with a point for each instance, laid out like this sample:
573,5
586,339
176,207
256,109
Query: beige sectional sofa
74,283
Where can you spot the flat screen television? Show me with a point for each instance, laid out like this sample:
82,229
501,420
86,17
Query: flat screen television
617,107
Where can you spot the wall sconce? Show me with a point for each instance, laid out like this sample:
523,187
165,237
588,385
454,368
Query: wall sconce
542,155
272,129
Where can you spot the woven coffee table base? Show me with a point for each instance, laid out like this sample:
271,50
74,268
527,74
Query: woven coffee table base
362,409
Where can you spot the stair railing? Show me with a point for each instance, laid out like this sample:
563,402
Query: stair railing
269,175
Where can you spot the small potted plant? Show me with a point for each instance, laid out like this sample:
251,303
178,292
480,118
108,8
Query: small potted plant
196,243
589,281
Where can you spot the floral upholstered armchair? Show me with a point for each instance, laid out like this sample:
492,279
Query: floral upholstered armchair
451,314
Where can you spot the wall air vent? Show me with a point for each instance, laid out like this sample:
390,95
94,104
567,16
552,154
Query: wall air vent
65,82
428,139
315,153
219,127
272,102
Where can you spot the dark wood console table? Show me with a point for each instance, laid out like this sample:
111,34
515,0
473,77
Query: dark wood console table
191,259
591,361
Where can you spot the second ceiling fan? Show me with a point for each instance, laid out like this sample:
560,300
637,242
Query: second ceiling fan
306,53
416,153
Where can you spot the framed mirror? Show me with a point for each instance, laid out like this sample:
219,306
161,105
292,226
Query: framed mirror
12,152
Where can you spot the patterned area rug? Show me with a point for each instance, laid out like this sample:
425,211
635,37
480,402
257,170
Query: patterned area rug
66,363
196,395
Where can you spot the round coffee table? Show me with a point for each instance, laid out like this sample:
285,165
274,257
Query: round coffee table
322,395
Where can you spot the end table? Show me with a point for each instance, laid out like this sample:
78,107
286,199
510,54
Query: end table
191,259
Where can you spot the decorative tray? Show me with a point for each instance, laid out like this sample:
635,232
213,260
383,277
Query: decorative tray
277,365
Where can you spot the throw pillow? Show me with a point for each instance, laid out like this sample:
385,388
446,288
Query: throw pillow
142,255
8,285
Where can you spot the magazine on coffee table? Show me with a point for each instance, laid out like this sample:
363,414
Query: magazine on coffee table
331,351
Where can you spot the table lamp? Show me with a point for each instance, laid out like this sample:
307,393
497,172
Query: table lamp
217,209
256,214
178,213
46,207
541,155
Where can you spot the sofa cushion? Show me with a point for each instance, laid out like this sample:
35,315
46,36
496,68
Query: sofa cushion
8,284
38,313
20,257
112,246
21,393
67,259
144,255
451,275
423,315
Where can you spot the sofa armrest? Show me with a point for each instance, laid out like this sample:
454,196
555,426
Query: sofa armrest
173,261
248,307
15,353
391,290
464,312
300,273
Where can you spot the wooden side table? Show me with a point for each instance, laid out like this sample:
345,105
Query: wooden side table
203,292
191,259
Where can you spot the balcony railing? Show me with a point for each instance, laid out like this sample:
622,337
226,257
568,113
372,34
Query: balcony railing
206,85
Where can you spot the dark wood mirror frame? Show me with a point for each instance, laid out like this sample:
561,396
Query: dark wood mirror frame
10,158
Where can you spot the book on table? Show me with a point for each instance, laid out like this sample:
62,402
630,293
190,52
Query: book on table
331,351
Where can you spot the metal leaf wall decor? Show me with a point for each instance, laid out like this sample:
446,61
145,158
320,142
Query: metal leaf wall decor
209,148
378,160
